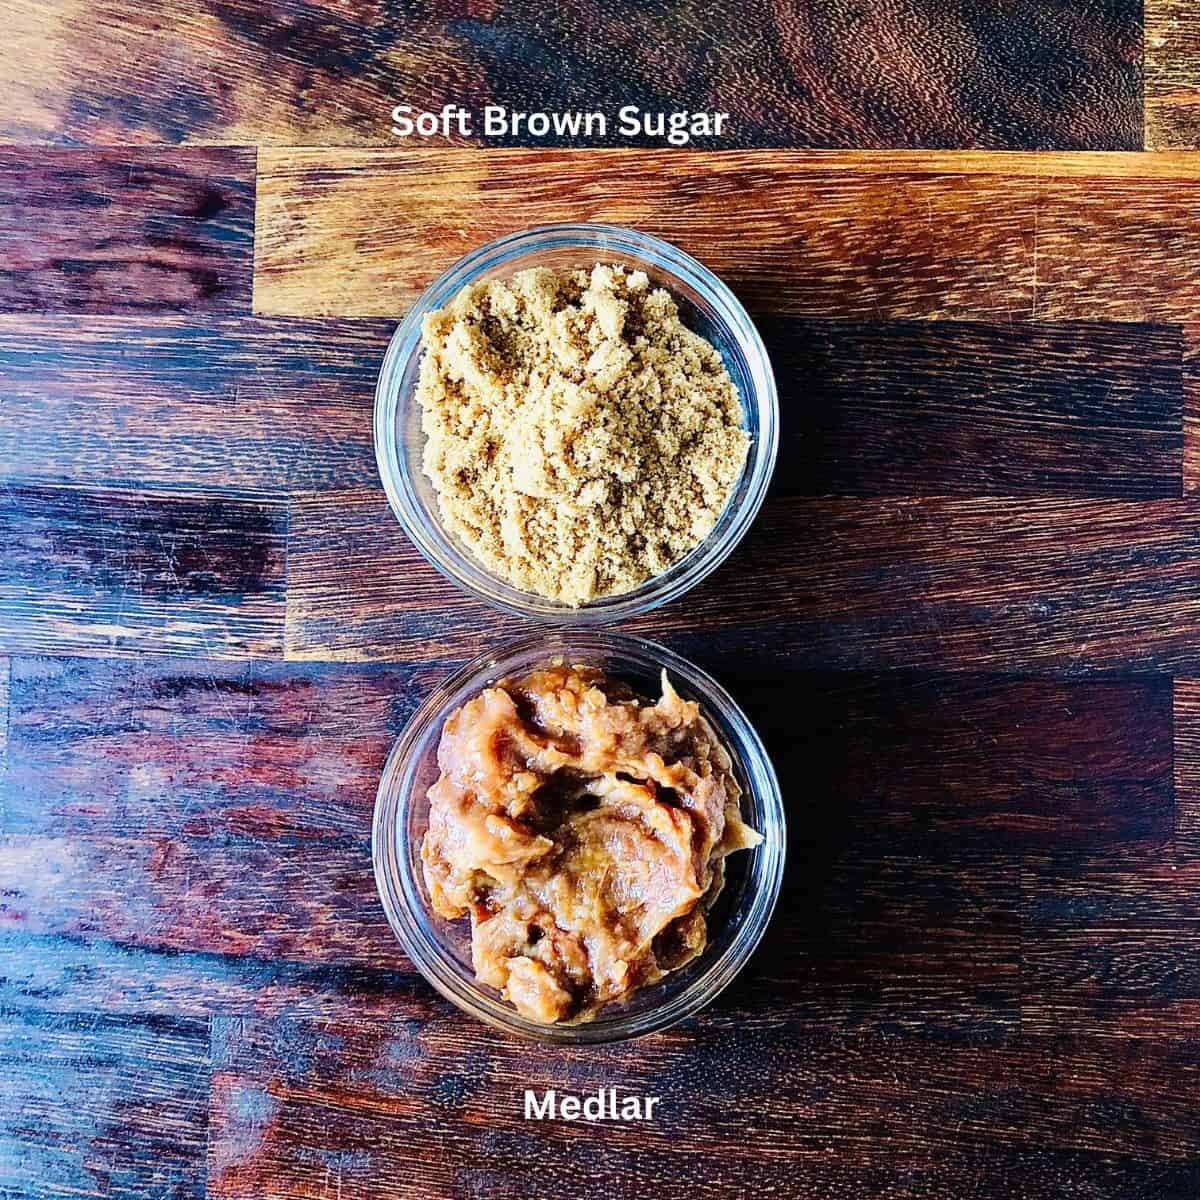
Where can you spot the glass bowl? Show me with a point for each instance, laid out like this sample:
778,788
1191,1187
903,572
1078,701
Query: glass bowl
441,949
706,305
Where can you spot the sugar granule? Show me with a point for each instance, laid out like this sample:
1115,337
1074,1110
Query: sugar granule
579,437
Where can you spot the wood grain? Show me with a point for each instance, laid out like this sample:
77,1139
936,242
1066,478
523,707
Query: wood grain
130,570
1186,712
868,936
965,625
864,937
250,788
99,1106
927,762
891,73
992,584
1123,246
349,232
59,972
373,1121
958,408
233,896
239,405
263,406
863,940
109,231
1172,71
198,749
247,888
835,235
1191,408
1110,945
834,1115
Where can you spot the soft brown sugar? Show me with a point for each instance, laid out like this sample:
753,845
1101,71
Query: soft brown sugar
580,438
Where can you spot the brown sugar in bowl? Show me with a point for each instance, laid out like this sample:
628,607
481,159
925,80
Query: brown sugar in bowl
707,307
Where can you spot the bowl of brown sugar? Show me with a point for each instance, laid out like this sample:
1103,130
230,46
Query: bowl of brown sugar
576,423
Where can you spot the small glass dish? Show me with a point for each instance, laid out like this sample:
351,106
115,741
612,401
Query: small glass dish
707,307
441,949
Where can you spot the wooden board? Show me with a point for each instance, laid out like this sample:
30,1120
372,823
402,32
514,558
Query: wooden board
349,232
319,72
124,569
989,584
989,861
104,231
136,402
966,623
1056,408
950,408
136,1122
775,1119
1187,763
1172,66
852,236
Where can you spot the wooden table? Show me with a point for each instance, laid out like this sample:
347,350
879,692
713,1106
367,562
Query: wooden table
967,622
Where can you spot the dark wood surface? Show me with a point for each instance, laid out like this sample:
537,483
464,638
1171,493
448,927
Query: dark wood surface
109,231
826,73
967,623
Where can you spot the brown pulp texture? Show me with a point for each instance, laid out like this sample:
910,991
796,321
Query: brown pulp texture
579,437
584,831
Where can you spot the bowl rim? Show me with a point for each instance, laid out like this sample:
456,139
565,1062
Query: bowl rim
458,565
402,900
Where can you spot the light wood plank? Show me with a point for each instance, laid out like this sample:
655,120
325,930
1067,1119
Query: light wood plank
360,232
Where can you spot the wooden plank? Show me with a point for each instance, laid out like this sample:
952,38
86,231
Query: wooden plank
1191,408
258,406
1187,765
1122,246
840,235
920,762
1089,1094
1069,585
348,232
223,72
915,74
219,813
832,1115
83,973
866,940
1110,945
149,795
243,896
870,936
103,1106
127,570
362,1101
241,405
986,584
985,1172
170,747
953,408
125,230
1172,70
